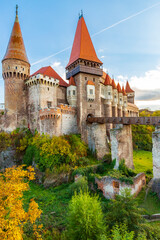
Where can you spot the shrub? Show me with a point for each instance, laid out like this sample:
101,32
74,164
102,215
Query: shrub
107,158
5,141
80,185
128,172
85,218
121,233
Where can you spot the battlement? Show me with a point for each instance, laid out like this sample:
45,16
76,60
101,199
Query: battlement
40,79
54,113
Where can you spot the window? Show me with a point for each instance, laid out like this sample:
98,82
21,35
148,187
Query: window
49,104
74,92
8,67
93,79
16,67
23,69
91,91
69,93
85,78
109,93
115,96
48,88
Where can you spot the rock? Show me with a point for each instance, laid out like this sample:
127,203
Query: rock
54,180
7,158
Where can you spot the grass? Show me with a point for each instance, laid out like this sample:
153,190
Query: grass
53,202
142,161
151,204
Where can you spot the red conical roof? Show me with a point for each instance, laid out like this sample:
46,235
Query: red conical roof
72,82
89,82
128,88
113,84
16,48
119,88
82,46
48,71
108,80
123,91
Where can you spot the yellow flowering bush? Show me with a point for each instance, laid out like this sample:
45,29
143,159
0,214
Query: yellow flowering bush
13,217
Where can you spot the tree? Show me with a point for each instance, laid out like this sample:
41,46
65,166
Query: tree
85,218
13,217
124,210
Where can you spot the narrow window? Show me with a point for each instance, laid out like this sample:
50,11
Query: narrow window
16,67
49,104
85,78
91,91
74,92
69,93
109,93
93,79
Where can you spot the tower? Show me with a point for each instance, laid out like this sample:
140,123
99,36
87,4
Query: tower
85,67
15,69
130,93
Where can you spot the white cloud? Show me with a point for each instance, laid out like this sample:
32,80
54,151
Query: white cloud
150,80
59,68
102,57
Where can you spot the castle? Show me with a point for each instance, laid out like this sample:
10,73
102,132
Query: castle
44,101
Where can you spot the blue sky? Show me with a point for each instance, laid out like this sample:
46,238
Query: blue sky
129,50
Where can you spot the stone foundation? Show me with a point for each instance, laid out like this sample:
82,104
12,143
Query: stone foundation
121,145
156,153
97,139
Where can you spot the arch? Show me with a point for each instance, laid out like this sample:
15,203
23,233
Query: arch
22,75
18,75
14,74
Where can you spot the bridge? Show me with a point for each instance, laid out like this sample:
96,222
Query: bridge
121,138
155,121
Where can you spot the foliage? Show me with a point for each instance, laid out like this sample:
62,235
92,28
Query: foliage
128,172
120,175
13,217
104,167
5,141
121,233
124,210
107,158
80,185
85,218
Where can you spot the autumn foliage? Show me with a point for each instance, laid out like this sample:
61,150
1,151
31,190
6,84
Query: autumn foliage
13,217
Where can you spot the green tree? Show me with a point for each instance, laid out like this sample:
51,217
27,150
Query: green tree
124,210
85,218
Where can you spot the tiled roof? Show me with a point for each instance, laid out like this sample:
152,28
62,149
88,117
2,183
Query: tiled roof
128,88
119,88
48,71
113,84
16,48
82,46
89,82
108,80
72,82
123,91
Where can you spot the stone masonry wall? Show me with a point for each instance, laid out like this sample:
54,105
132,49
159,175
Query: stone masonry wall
97,139
121,145
156,153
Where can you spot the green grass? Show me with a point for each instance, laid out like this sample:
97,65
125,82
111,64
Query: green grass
53,202
151,204
142,161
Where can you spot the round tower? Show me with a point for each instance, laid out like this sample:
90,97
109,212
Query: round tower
15,69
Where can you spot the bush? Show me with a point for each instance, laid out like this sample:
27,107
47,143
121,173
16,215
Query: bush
5,141
85,218
80,185
107,158
128,172
121,233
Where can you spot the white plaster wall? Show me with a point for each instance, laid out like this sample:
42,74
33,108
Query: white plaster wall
48,94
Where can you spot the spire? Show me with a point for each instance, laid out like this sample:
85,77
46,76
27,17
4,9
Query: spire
108,80
72,82
119,88
16,48
82,46
123,91
128,88
113,84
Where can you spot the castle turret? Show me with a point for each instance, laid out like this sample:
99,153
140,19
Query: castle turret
130,93
72,92
85,67
115,99
15,69
124,102
120,100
